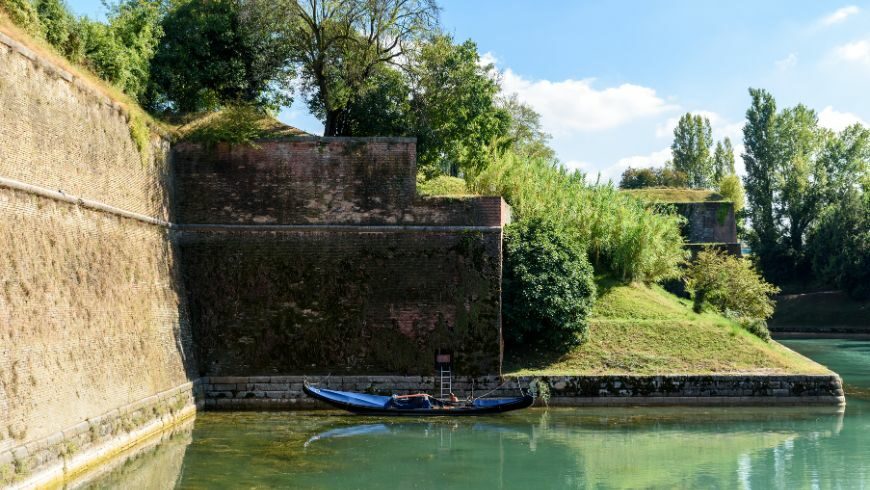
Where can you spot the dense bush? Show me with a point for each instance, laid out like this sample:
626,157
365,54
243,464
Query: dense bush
622,236
548,285
731,286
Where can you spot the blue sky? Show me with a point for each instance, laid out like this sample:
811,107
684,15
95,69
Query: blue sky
611,78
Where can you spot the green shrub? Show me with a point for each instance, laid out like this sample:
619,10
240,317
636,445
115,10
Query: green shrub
731,286
731,189
443,185
548,285
23,14
623,237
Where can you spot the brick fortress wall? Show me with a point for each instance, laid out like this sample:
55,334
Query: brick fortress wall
315,255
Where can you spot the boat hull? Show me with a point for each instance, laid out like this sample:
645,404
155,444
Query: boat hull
492,407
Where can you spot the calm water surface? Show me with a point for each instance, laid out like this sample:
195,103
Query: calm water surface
555,448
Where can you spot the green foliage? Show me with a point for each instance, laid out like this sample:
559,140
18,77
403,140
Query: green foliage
220,52
443,185
795,170
447,100
337,46
453,102
23,14
731,189
120,50
723,160
57,25
691,149
548,285
525,134
235,125
384,109
731,286
622,235
760,158
839,247
642,178
140,133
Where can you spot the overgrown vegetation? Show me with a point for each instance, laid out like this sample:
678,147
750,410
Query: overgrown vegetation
621,235
548,285
731,286
235,125
443,185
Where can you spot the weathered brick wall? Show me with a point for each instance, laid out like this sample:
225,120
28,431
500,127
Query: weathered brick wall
708,222
343,301
58,133
91,319
310,180
349,271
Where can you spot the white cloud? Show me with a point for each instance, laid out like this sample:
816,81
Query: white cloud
839,15
614,172
787,63
487,59
570,106
577,165
836,120
854,52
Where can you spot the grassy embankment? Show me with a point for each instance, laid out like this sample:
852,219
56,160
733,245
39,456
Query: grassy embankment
675,195
638,329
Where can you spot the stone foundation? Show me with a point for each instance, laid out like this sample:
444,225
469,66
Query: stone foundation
66,453
285,392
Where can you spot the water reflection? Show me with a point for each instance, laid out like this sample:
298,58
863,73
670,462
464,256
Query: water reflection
558,448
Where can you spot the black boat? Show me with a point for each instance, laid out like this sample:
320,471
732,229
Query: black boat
417,404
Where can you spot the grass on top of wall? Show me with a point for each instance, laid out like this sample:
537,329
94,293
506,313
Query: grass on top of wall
644,330
675,195
236,125
444,185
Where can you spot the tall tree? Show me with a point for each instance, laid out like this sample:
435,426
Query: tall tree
525,133
691,150
454,106
723,160
220,51
760,157
800,176
339,44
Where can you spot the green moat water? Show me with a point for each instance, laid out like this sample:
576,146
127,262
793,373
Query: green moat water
555,448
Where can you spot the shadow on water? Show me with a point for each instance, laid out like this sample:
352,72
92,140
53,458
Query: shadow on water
781,447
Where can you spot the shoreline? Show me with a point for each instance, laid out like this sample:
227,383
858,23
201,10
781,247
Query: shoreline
285,392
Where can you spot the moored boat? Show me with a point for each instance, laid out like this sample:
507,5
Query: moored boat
416,404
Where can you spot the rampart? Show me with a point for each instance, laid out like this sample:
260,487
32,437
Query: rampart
315,255
94,337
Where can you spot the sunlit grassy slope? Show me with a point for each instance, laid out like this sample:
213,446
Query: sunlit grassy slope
638,329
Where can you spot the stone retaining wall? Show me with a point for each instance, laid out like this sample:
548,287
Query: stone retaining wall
65,453
285,392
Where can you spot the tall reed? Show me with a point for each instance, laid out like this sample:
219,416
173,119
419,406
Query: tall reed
623,236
